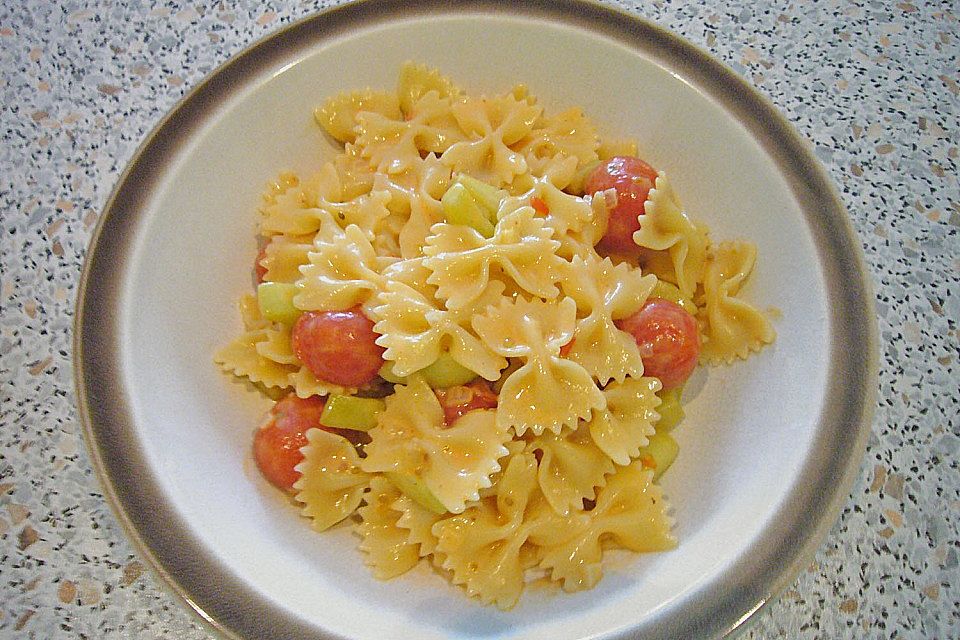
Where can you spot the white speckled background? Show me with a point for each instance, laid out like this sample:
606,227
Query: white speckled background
873,85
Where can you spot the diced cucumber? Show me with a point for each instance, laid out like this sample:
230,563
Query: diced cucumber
446,372
386,372
668,291
487,195
670,410
460,207
275,300
351,412
659,453
414,488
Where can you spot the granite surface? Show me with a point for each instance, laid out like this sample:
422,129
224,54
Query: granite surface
873,85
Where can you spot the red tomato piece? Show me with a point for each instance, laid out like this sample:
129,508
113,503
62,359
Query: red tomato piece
632,178
668,340
259,270
277,444
567,348
539,205
460,400
338,346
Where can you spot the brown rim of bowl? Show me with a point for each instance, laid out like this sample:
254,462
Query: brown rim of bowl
231,607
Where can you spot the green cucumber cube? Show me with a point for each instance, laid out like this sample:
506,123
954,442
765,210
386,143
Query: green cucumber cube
351,412
415,489
460,207
487,195
659,453
275,300
446,372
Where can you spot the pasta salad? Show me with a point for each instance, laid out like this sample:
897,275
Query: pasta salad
477,321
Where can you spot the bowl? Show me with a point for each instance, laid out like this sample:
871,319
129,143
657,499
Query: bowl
769,446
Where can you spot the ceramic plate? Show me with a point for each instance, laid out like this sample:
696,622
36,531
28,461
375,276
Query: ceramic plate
769,446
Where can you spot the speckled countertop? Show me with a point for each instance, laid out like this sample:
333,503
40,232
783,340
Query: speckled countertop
873,85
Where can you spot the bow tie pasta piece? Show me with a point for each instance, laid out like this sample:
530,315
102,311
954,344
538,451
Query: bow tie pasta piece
413,273
305,383
338,115
366,212
522,247
393,145
571,467
241,358
491,126
425,179
734,327
665,227
607,293
388,547
288,207
453,462
484,546
414,327
578,222
559,170
569,133
283,257
417,80
417,524
424,213
331,485
547,392
299,209
562,211
415,199
630,511
344,269
356,176
527,328
514,448
628,421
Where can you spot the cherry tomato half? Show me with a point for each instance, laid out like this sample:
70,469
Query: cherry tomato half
276,445
632,178
460,400
338,346
668,340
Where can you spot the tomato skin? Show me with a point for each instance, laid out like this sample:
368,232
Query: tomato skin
632,178
539,205
338,346
668,339
460,400
277,444
260,271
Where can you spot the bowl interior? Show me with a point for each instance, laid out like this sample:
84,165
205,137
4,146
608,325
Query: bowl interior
749,426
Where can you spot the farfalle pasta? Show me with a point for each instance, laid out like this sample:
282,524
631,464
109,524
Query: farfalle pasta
732,326
548,392
477,319
522,249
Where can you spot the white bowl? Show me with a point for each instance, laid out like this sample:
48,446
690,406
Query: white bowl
769,445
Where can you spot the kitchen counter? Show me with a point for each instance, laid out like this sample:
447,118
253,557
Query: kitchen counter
874,86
